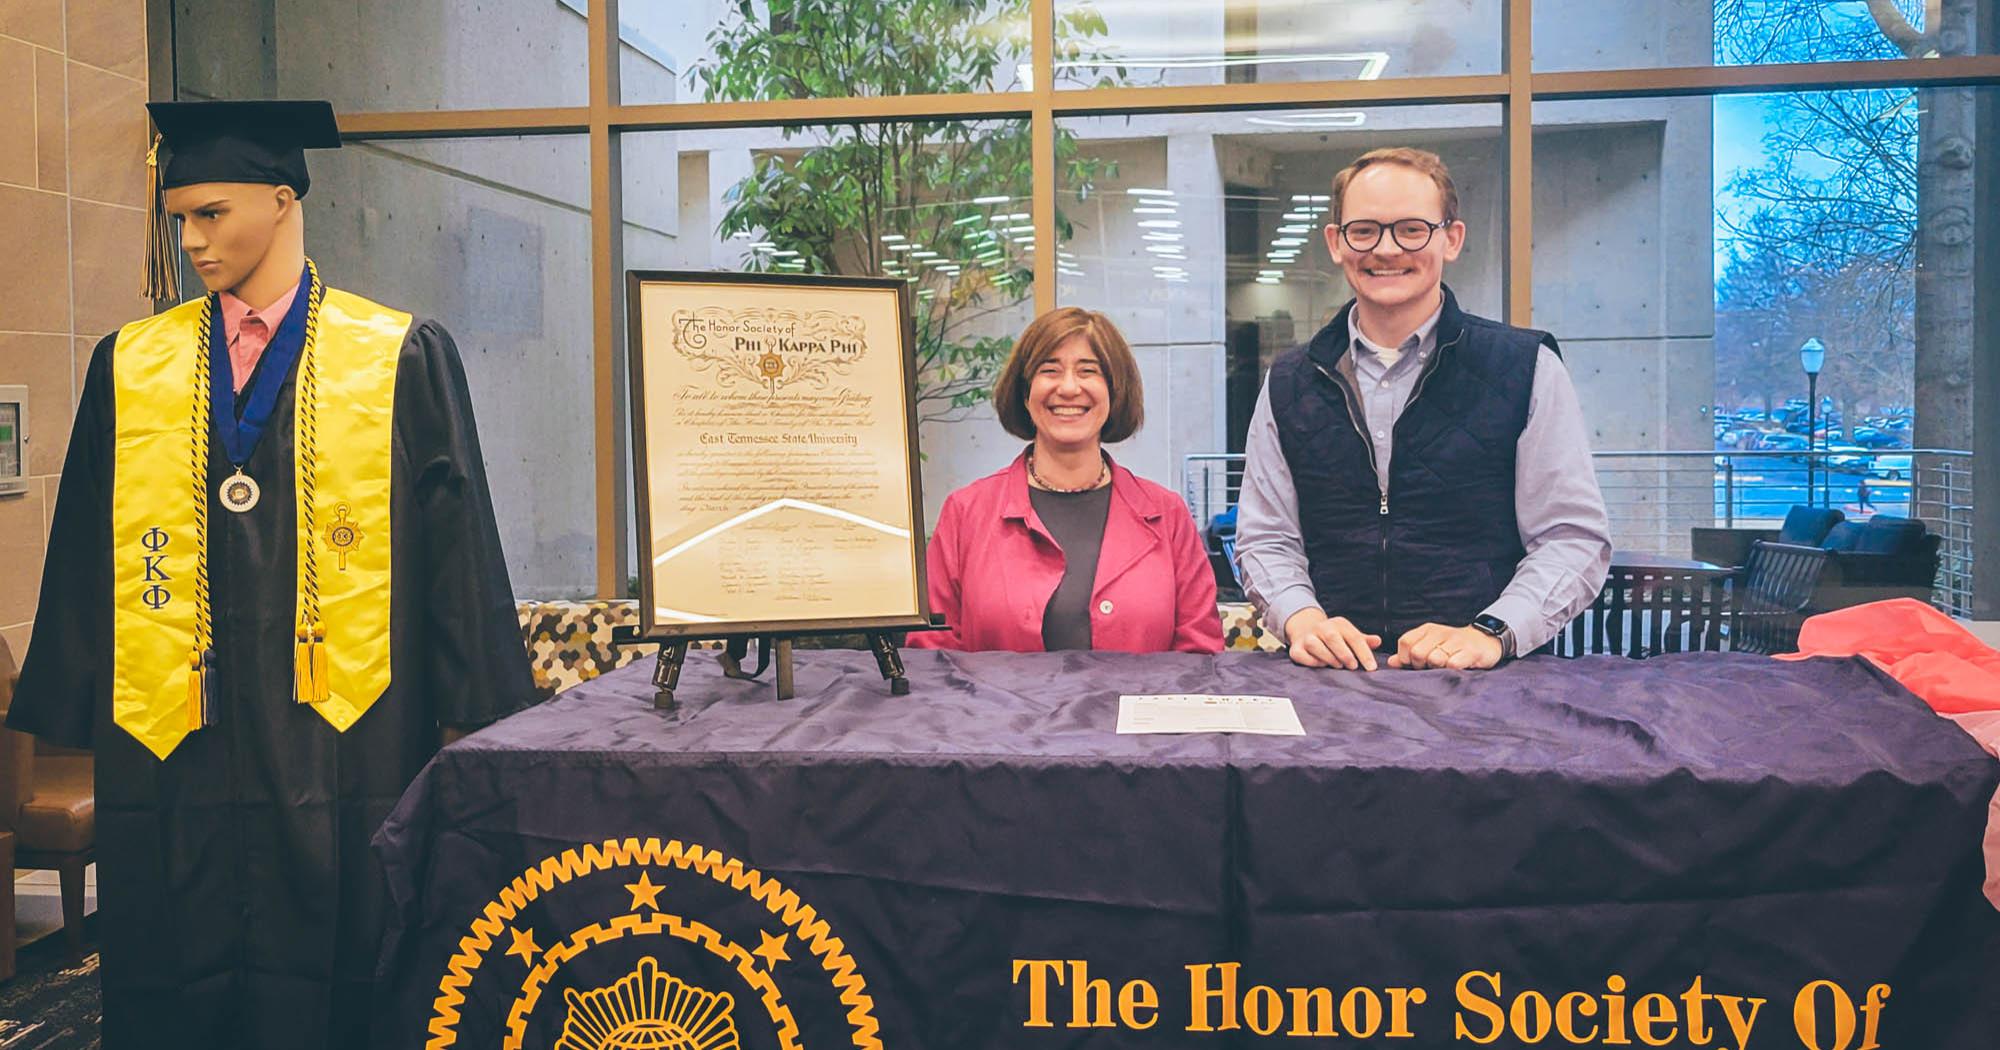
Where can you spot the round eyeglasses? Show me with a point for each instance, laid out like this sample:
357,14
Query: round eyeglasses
1411,235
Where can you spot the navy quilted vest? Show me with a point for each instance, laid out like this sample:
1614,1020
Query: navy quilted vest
1443,542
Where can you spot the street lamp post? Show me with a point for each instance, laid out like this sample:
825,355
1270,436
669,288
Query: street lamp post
1812,355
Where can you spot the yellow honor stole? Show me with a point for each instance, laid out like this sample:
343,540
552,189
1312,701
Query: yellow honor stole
345,394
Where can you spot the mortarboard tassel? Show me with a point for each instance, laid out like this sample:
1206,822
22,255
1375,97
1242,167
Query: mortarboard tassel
163,275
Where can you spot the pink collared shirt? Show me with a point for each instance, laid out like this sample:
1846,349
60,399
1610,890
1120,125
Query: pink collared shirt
993,566
249,332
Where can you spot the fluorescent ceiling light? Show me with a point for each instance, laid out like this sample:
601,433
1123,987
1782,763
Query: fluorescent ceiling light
1160,224
997,199
1299,228
892,237
923,255
903,247
1318,120
1371,62
1156,211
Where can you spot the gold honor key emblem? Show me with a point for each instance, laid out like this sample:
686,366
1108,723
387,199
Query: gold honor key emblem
343,535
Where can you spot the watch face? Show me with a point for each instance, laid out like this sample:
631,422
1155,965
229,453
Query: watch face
1492,625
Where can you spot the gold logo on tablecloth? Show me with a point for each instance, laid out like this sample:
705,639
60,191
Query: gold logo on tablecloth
649,1010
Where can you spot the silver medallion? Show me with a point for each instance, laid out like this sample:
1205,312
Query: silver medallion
239,492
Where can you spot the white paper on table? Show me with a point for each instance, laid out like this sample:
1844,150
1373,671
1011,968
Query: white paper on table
1203,713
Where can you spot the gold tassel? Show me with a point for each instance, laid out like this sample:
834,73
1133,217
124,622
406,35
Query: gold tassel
197,690
163,271
322,679
304,689
311,679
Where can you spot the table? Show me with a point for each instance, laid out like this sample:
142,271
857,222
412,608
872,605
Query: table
1576,840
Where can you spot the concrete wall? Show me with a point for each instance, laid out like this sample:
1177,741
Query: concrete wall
1623,191
72,185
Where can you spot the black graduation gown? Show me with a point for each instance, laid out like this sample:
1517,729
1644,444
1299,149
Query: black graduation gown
239,904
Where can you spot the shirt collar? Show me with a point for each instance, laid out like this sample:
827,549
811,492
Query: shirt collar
235,311
1423,340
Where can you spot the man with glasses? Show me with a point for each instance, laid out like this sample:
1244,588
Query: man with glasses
1430,494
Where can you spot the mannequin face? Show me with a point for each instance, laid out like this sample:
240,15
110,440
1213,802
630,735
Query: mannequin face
227,228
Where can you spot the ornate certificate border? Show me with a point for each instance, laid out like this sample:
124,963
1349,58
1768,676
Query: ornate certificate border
738,337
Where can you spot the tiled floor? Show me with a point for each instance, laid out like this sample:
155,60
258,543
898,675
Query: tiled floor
38,902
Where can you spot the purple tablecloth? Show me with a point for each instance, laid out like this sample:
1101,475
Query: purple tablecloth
850,868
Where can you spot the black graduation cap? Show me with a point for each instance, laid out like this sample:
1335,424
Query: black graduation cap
261,141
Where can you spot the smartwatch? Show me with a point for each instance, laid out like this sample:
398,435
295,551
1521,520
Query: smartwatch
1486,623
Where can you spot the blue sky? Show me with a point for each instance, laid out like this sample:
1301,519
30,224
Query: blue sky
1740,124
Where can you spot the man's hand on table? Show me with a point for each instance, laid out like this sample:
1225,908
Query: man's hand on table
1435,645
1319,640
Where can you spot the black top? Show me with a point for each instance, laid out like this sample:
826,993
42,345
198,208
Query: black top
1076,520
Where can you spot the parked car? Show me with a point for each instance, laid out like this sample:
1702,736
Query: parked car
1894,466
1782,442
1849,459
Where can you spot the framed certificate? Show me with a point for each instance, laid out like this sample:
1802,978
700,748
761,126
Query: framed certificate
775,445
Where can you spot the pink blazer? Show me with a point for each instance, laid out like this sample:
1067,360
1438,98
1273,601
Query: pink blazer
993,567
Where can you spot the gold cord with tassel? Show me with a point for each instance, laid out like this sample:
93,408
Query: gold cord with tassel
163,272
198,713
312,684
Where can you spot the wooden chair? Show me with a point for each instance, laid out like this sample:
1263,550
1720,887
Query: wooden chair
48,804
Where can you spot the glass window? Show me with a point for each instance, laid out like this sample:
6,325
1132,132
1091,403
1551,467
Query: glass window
728,51
1202,237
1103,43
385,54
1697,255
944,205
1644,34
490,237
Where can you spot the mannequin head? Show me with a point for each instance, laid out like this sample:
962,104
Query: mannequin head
241,236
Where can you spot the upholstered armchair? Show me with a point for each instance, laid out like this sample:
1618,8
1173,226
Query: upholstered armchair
48,808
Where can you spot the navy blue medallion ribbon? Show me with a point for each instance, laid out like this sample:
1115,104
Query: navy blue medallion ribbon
241,432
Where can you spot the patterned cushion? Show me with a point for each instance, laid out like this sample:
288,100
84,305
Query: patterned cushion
569,643
1242,630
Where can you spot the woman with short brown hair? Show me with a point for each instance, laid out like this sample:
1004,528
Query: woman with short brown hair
1064,549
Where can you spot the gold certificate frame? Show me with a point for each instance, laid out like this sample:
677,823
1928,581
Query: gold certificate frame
774,445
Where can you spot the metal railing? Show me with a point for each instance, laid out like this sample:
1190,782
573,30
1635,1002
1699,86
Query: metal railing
1656,497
